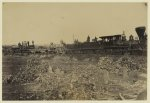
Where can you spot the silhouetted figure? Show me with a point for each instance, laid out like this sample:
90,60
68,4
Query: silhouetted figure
123,36
76,41
95,39
19,45
28,43
32,42
88,39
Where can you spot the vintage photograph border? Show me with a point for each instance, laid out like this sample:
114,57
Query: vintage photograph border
87,101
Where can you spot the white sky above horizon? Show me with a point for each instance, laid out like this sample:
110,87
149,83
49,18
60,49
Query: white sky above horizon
52,22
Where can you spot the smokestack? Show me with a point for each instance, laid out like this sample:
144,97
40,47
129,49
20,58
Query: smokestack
140,31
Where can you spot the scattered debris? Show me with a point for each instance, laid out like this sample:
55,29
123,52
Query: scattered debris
62,77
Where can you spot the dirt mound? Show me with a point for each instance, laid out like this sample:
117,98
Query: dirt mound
61,59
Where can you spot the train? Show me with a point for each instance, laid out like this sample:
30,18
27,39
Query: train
112,44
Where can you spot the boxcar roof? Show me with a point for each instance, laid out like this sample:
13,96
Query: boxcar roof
118,35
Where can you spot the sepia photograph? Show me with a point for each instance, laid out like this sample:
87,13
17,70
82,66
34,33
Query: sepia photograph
74,51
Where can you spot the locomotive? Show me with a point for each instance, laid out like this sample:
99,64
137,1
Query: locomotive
23,48
114,44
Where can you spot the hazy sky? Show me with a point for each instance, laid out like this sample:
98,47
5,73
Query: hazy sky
52,22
